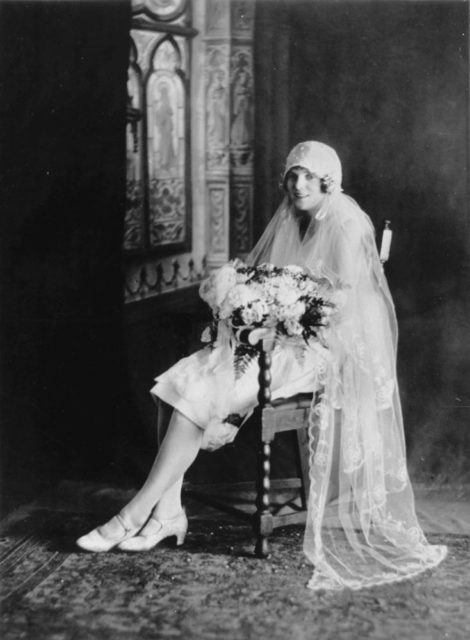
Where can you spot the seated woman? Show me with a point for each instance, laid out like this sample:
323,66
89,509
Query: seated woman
361,526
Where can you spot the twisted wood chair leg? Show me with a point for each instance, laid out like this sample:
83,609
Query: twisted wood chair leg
263,519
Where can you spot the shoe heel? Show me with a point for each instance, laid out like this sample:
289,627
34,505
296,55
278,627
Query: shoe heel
180,538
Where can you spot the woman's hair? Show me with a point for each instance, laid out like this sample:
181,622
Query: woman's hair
326,184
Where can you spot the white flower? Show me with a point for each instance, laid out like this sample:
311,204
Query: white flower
250,316
260,309
214,289
293,327
206,335
242,277
225,309
266,266
294,311
225,279
207,291
286,294
294,269
242,294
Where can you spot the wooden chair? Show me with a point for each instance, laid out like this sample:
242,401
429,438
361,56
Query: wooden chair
275,417
271,417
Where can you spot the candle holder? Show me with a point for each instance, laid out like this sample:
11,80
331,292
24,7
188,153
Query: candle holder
386,242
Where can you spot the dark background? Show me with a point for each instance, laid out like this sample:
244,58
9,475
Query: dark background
63,78
386,83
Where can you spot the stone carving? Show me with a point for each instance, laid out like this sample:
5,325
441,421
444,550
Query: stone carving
242,103
241,131
229,128
167,209
217,108
217,114
217,204
217,12
240,210
243,15
133,231
160,9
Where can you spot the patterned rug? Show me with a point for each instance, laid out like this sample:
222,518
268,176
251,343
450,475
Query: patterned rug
210,589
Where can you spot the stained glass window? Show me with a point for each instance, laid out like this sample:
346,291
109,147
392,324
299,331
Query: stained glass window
160,9
166,147
158,210
134,221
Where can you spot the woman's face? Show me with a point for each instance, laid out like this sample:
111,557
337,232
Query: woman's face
303,189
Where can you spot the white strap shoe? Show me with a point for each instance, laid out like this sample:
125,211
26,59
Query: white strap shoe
155,531
96,542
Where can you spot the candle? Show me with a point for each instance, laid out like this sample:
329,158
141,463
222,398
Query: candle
386,242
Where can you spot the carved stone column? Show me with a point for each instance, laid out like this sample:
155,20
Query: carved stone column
229,128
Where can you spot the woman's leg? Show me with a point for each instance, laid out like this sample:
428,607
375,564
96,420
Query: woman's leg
177,452
169,505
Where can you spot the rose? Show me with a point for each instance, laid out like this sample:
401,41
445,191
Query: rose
293,327
286,294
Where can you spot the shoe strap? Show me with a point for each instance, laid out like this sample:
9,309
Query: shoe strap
154,524
164,521
123,523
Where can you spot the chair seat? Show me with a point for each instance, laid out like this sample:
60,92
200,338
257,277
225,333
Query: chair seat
285,414
299,401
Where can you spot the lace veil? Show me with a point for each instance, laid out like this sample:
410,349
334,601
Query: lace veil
361,527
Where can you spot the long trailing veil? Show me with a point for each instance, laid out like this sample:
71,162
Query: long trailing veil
361,527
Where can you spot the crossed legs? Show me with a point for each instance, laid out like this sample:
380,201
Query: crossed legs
161,491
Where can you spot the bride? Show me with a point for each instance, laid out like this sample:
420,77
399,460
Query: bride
361,527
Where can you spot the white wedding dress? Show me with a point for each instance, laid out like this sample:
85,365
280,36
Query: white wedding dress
361,527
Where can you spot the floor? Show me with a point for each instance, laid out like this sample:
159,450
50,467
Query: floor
213,588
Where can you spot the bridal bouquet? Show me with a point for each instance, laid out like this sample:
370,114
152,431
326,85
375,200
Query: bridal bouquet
286,300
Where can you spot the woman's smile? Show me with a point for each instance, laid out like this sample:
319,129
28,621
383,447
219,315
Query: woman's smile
304,189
